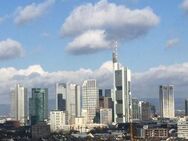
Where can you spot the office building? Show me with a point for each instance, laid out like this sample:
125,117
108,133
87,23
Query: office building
105,116
73,102
182,127
39,131
90,98
122,104
57,120
186,107
61,94
38,105
146,111
107,92
19,104
121,91
135,109
166,100
100,92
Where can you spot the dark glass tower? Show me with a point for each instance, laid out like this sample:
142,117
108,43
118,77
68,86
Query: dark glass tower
38,105
61,102
186,107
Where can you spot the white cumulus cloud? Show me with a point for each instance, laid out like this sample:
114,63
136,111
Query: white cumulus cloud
143,83
89,42
117,21
32,11
10,49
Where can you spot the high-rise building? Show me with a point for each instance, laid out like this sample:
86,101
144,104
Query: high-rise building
146,111
73,102
186,107
107,92
135,109
121,91
106,116
100,92
90,98
166,100
61,94
122,104
19,104
38,105
57,120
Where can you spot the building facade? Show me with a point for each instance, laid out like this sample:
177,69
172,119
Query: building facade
38,105
90,98
57,120
182,126
166,100
135,109
122,96
73,102
105,116
186,107
61,94
19,104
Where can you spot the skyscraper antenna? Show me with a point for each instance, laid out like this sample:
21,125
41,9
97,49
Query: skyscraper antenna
115,54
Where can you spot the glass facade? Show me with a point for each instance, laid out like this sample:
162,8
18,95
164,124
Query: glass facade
38,105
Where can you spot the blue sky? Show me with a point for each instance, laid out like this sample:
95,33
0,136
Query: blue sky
43,42
139,54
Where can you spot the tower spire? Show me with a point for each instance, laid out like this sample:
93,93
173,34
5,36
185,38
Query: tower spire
115,54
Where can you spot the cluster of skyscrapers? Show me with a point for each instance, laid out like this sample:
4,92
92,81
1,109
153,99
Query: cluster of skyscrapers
85,104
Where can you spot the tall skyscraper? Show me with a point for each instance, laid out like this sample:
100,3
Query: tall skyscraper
122,91
73,102
19,104
186,107
38,105
90,98
135,109
61,94
166,100
122,110
146,111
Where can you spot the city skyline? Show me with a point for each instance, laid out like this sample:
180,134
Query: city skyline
53,54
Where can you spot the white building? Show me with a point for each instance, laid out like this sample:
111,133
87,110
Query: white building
182,126
106,116
19,104
61,95
73,105
121,91
122,95
166,99
90,98
58,119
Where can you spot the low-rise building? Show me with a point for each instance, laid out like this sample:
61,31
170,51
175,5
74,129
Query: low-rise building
182,126
57,120
40,130
106,116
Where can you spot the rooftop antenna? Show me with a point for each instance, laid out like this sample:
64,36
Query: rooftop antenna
115,54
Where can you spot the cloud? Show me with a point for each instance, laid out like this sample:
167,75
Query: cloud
31,12
143,83
147,83
172,42
89,42
10,49
36,76
117,21
184,5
